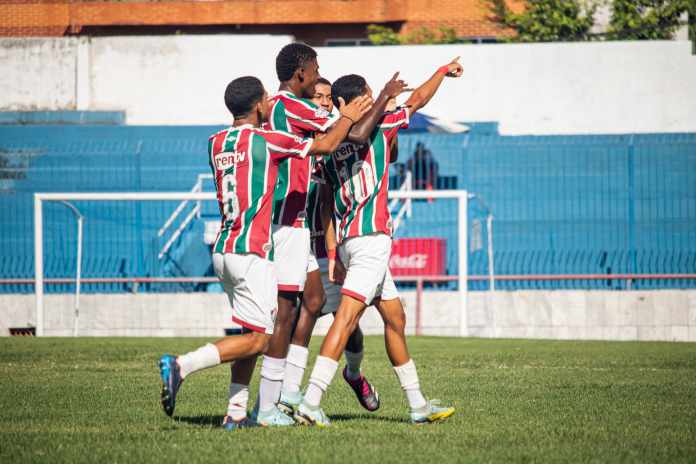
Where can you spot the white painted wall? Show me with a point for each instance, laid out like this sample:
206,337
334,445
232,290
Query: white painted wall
177,80
573,88
668,315
37,74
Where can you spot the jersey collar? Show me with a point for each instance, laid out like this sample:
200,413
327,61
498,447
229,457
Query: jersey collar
287,93
243,126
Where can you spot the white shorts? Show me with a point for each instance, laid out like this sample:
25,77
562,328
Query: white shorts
251,286
312,263
367,264
290,257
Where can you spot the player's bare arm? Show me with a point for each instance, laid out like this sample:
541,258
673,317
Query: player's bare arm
350,114
394,150
360,132
336,269
422,95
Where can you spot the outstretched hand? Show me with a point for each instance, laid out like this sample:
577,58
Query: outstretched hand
454,68
395,86
356,109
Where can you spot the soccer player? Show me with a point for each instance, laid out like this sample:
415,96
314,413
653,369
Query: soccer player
244,160
291,111
359,176
316,303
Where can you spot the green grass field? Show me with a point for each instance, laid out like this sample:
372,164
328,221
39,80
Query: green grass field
97,400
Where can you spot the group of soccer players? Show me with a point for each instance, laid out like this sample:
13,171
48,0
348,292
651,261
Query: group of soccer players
302,191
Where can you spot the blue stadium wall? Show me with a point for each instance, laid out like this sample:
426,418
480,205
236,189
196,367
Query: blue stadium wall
562,204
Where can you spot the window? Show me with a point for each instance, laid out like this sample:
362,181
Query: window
347,42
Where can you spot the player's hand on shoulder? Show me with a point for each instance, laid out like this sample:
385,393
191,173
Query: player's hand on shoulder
395,86
356,109
455,68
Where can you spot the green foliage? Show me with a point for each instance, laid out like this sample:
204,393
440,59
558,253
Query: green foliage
97,400
646,19
382,35
546,20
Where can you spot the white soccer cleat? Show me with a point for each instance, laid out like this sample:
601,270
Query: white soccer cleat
289,402
274,418
308,415
431,412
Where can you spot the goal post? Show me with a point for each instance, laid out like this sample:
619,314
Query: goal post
460,196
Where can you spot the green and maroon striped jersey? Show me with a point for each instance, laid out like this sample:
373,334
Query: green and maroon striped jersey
359,175
316,228
303,118
245,164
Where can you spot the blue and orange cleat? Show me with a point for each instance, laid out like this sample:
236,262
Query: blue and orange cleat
230,424
366,393
171,381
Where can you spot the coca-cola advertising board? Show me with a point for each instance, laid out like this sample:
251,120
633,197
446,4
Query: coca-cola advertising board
418,256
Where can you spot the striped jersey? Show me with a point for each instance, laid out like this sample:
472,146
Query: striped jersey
245,161
303,118
359,175
316,228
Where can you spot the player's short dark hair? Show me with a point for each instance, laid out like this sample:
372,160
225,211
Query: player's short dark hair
348,87
291,57
324,81
242,94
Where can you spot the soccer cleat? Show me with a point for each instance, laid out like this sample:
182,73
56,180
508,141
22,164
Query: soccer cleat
171,381
366,393
274,418
307,415
432,412
289,402
230,424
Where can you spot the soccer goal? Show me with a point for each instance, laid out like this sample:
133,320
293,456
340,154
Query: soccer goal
155,230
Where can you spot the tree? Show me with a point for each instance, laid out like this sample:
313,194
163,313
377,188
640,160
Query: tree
382,35
546,20
646,19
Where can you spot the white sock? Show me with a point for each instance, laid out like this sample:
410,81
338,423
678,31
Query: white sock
322,375
239,398
408,377
204,357
272,371
296,363
353,361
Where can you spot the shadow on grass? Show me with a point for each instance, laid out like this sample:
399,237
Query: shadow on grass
352,417
213,421
202,421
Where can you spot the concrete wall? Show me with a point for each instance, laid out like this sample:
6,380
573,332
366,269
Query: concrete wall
37,74
572,88
668,315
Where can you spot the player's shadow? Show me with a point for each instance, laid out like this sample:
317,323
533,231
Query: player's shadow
202,421
353,417
216,420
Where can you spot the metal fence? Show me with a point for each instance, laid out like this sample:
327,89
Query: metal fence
562,205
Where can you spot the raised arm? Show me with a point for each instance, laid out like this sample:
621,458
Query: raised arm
422,95
350,114
360,132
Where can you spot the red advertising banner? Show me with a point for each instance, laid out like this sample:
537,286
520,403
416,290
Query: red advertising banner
418,256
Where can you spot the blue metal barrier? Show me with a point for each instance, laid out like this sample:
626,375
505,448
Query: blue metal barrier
562,204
